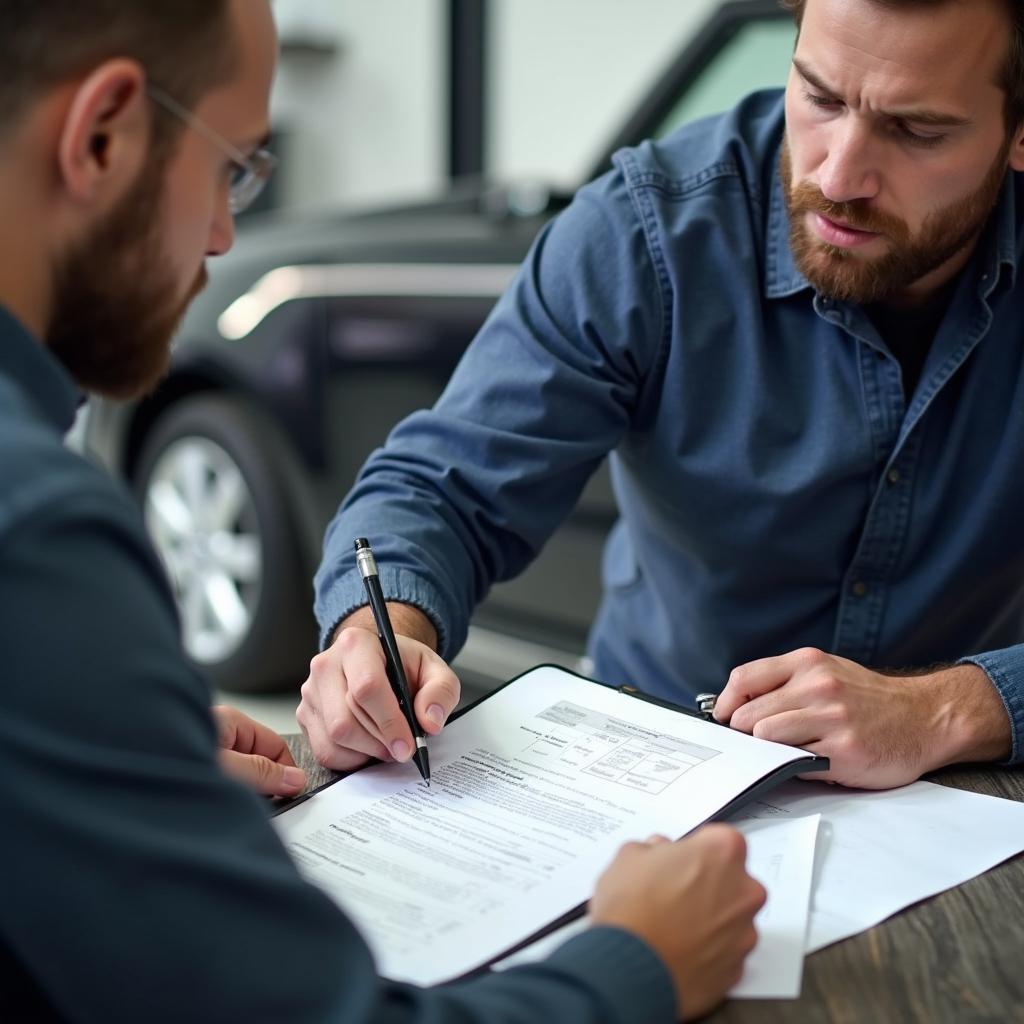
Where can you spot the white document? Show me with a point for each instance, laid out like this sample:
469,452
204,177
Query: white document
532,793
876,853
780,855
879,852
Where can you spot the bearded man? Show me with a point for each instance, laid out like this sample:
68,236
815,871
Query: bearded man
141,883
796,327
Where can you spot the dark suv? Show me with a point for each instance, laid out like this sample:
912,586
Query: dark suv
313,338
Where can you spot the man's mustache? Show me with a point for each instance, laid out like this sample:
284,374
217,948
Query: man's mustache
808,199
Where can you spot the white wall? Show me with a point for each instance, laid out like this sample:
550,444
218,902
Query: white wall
368,124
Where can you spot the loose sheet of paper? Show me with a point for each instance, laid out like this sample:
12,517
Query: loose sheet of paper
780,855
879,852
532,793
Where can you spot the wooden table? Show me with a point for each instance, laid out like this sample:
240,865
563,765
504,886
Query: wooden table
958,957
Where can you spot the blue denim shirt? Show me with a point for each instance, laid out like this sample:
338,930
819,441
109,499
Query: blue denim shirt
776,489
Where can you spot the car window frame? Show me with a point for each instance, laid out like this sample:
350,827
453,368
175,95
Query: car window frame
707,44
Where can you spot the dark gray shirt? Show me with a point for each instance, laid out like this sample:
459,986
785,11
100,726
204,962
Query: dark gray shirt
139,884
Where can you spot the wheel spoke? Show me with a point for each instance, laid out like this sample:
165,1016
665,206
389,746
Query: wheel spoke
193,614
192,470
176,566
225,606
167,515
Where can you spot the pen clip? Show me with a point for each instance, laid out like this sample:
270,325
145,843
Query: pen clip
706,705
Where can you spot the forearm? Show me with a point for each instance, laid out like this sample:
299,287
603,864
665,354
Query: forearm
405,620
966,716
603,974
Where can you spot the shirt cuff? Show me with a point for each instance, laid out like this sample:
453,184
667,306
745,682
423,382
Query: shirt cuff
1006,670
348,593
623,970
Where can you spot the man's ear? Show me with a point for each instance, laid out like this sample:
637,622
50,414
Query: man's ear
104,139
1017,149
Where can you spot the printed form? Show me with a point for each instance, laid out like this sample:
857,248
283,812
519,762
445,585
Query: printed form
780,855
533,791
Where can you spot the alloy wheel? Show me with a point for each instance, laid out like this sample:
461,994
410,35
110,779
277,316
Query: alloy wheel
201,515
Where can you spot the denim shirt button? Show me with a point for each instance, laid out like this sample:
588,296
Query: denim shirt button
860,589
893,476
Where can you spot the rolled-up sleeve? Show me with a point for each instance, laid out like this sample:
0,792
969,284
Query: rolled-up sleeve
1006,670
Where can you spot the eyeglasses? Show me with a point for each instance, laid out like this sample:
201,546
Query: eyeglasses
249,173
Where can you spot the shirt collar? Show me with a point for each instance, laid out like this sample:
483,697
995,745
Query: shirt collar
782,278
37,372
1006,239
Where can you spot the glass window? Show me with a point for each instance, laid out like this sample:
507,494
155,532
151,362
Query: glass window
757,57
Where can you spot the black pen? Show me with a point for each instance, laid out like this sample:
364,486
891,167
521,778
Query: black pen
392,658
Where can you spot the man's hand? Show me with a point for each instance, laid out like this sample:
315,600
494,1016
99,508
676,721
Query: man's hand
693,903
348,710
878,731
255,755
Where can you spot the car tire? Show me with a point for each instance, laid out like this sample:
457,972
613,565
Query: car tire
212,484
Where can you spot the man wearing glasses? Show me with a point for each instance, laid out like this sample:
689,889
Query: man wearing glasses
141,884
248,173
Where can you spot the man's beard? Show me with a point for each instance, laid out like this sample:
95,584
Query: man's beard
842,274
116,301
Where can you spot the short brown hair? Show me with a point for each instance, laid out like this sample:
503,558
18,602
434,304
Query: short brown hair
1011,79
185,46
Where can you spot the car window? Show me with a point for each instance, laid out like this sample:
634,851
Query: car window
757,57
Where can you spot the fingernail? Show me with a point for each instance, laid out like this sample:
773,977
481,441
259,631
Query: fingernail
436,714
294,778
399,750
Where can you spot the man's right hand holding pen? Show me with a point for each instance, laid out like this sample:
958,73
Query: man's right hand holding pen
349,712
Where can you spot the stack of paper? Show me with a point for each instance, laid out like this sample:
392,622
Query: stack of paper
535,788
532,792
836,862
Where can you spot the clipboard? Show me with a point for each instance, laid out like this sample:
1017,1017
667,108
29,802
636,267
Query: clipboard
763,784
812,763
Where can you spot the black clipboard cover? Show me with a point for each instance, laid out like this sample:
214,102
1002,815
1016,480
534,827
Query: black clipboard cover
811,763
